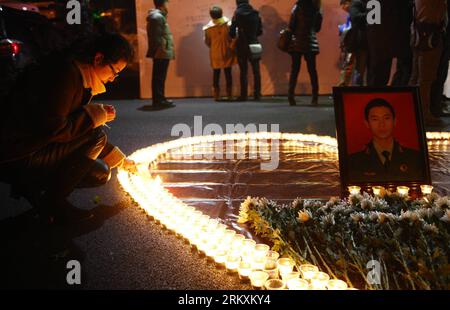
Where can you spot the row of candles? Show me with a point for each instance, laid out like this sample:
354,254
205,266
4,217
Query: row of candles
252,262
401,190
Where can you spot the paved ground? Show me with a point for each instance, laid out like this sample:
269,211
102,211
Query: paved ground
122,249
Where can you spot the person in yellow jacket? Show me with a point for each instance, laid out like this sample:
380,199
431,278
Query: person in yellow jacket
222,52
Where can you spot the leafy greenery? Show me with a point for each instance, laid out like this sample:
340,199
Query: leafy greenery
410,238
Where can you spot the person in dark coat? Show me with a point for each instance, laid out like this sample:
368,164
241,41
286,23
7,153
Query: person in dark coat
161,50
384,159
246,26
51,137
305,22
386,41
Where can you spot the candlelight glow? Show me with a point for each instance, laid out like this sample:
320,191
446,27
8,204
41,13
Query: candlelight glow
208,235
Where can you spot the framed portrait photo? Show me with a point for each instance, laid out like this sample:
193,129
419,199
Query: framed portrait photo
381,137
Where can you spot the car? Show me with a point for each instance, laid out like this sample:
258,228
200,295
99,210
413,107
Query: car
25,35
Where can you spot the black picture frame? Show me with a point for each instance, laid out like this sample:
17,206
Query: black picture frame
341,133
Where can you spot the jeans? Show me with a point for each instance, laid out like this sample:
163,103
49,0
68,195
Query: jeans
243,61
159,76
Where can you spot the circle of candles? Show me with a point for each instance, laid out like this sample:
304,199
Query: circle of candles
403,190
337,285
271,267
285,265
290,275
297,284
354,190
261,250
308,271
258,278
274,284
244,270
426,189
320,280
377,190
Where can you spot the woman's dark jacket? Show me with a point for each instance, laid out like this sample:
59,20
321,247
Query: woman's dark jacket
306,21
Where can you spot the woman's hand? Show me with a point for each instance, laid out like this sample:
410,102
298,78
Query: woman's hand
110,111
129,165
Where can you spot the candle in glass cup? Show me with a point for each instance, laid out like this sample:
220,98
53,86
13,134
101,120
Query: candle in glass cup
297,284
377,190
232,263
237,241
271,267
319,281
220,257
354,190
403,190
274,284
290,275
337,285
261,250
272,255
258,278
426,189
244,270
285,265
308,271
258,262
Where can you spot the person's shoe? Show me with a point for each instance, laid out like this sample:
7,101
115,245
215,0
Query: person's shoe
292,101
257,97
229,94
168,101
315,100
242,98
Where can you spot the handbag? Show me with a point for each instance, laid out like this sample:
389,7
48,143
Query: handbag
285,39
256,50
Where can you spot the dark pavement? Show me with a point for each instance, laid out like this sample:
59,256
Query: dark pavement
122,249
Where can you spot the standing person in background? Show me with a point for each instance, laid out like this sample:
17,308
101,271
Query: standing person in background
305,22
247,27
160,48
221,51
358,40
428,28
438,106
354,46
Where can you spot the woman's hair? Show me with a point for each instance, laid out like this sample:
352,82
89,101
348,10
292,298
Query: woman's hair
112,46
216,12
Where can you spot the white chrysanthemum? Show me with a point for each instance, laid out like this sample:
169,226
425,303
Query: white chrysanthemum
443,202
366,204
446,217
304,216
431,228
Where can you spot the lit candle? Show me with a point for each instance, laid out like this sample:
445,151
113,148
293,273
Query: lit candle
426,189
285,265
354,190
290,275
258,278
232,263
244,270
220,257
272,255
274,284
297,284
261,250
336,285
377,190
258,262
308,271
271,268
319,281
403,190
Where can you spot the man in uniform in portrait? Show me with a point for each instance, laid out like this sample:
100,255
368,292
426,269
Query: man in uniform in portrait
384,159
